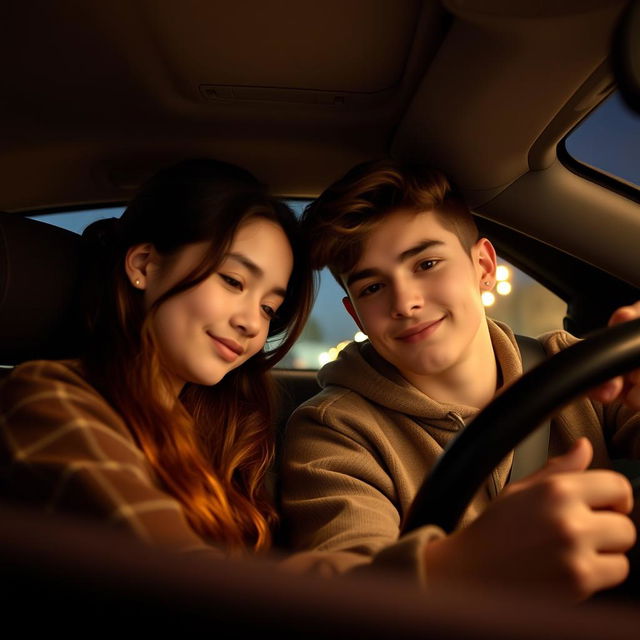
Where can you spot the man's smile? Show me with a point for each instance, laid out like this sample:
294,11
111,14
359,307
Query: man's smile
420,331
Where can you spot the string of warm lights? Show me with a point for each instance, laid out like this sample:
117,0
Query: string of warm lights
332,354
503,286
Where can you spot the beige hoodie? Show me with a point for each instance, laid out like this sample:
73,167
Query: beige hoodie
357,453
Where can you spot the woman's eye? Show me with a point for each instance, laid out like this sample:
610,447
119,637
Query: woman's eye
232,282
425,265
371,289
269,311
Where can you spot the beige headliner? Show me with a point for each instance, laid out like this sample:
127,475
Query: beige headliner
96,94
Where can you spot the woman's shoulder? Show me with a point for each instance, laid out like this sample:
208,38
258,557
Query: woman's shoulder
48,370
50,394
65,448
38,377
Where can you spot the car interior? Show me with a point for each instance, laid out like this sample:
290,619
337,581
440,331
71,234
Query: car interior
98,96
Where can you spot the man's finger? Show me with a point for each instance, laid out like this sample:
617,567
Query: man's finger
624,314
606,570
598,489
607,391
576,459
613,532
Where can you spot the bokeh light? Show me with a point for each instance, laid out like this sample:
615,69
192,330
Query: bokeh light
488,299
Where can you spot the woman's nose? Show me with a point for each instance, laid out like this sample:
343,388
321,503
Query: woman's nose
246,319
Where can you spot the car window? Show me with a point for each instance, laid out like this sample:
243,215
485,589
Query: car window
524,304
78,220
608,141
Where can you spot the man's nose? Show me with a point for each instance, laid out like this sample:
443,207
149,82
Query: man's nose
407,299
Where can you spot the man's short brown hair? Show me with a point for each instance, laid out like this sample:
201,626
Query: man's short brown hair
338,222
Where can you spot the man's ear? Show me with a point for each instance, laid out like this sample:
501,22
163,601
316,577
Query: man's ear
140,262
486,263
348,305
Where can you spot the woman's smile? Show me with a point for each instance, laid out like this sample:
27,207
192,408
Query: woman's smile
228,349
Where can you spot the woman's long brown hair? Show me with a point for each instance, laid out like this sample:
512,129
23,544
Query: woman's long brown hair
212,448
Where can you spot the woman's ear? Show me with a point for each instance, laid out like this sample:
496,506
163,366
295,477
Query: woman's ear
348,305
486,263
140,262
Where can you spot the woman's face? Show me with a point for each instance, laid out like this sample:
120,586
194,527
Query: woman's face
212,328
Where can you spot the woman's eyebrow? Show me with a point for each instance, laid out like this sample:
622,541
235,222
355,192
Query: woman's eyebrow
255,270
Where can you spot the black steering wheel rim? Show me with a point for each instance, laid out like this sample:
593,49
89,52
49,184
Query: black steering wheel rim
513,415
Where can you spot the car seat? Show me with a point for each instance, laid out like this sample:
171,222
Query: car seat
38,277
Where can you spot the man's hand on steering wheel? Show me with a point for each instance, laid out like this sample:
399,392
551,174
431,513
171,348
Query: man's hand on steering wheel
627,387
563,529
563,532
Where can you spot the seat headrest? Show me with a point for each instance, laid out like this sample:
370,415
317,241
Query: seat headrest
39,269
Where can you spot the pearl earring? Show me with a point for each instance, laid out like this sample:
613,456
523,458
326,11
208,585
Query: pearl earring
137,283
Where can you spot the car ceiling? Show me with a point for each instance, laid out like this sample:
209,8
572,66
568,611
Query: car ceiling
96,95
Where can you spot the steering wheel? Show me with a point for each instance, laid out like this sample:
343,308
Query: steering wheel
513,415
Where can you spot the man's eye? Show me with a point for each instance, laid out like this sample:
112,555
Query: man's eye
425,265
371,289
232,282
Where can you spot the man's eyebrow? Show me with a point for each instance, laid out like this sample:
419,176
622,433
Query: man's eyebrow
405,255
361,275
255,270
419,248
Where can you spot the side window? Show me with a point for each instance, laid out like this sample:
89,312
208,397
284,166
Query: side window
78,221
525,305
607,143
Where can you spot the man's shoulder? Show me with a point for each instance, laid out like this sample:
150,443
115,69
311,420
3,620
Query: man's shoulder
339,407
335,414
333,398
556,341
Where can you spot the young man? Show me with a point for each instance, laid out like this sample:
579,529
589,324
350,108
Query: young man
408,255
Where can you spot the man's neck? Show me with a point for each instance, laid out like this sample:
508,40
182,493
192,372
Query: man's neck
472,382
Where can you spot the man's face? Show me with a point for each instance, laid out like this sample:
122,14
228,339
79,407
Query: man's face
416,293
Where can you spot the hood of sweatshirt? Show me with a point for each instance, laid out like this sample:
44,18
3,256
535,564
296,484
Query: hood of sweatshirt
360,369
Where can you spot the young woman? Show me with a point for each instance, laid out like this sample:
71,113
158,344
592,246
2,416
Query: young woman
163,426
